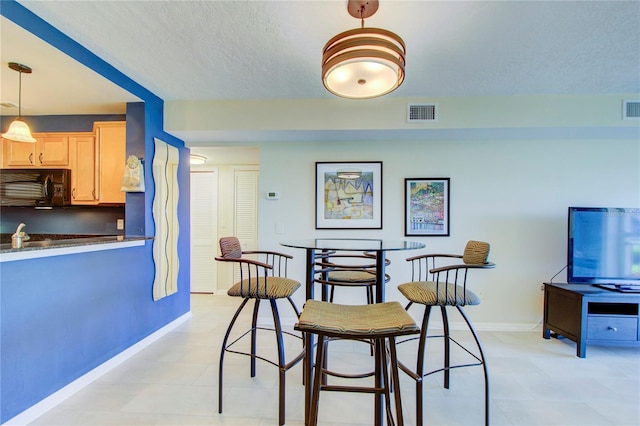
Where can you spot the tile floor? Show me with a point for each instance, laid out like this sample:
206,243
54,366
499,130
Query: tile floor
533,382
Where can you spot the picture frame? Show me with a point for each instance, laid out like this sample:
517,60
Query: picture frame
349,195
426,207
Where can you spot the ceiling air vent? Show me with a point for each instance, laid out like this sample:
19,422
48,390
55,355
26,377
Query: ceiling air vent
422,113
631,110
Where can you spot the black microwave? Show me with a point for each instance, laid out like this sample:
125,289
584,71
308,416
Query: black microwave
35,187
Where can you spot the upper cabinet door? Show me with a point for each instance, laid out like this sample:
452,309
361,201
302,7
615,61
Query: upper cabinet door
111,143
53,150
49,150
83,169
19,154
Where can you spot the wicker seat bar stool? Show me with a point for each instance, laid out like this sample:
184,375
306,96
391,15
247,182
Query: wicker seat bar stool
262,278
344,269
380,322
436,285
347,270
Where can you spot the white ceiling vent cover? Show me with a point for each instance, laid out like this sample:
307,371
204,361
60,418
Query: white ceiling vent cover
631,110
420,113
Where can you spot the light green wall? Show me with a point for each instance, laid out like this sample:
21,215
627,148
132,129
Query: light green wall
511,193
515,163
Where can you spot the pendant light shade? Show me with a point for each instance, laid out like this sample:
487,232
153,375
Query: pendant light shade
19,130
364,62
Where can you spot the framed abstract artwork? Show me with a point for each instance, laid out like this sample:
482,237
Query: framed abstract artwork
426,207
349,195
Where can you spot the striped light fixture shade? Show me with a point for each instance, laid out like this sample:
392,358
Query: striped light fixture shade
363,63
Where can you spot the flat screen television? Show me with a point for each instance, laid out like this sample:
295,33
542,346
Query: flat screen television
604,247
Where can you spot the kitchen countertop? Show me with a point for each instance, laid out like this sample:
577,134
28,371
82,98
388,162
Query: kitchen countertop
54,247
6,238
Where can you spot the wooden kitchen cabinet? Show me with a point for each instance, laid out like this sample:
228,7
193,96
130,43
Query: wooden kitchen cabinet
82,150
19,154
53,150
111,146
97,160
49,150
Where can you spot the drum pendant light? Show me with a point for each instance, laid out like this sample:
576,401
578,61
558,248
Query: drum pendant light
363,63
19,130
349,174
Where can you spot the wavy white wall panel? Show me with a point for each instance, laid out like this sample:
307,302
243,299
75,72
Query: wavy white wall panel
165,216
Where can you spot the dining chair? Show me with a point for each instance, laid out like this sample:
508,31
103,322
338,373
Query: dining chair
263,277
441,280
379,322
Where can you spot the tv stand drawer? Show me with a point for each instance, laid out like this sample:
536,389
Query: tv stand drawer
608,327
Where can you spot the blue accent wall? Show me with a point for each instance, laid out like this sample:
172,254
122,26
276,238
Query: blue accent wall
136,145
93,220
65,315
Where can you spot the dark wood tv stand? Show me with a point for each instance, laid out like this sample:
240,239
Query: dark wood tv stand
587,314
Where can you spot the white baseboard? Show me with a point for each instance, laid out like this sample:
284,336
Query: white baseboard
501,326
57,397
436,324
288,323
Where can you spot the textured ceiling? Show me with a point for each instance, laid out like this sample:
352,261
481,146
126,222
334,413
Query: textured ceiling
187,50
58,84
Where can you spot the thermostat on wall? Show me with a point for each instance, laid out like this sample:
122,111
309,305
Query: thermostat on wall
273,195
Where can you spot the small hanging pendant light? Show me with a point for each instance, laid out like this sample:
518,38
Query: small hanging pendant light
19,130
364,62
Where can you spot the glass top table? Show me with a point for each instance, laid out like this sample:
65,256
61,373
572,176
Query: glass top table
353,244
377,246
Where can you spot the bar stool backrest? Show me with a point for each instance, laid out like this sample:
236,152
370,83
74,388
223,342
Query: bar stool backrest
230,248
476,253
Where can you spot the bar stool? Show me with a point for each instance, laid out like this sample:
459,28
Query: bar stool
260,280
433,284
379,322
347,269
335,269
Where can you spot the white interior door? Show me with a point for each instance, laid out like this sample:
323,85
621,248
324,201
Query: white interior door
245,209
204,235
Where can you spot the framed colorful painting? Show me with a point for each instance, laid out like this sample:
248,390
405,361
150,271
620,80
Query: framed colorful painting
349,195
426,208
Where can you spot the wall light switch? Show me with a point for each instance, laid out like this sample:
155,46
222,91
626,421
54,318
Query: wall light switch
279,228
120,224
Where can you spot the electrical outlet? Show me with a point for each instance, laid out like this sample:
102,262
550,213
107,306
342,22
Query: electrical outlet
120,224
542,287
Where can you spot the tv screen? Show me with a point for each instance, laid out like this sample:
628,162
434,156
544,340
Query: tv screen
604,247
